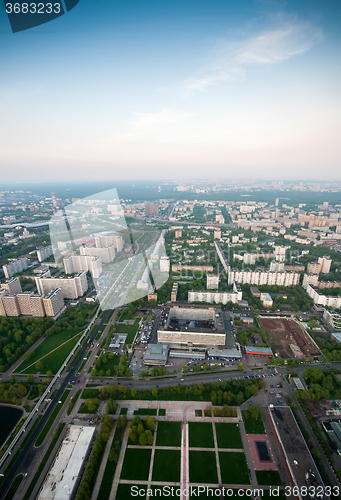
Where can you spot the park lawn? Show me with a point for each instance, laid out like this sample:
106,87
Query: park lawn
228,436
55,360
110,365
136,464
233,468
110,469
162,412
168,434
202,467
268,478
124,492
200,435
253,426
90,394
47,346
146,411
166,466
130,330
84,409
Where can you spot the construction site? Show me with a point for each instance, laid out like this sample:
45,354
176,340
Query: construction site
288,339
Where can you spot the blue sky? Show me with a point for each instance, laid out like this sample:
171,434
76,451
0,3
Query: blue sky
178,89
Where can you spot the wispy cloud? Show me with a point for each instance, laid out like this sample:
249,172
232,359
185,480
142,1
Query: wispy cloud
145,123
288,37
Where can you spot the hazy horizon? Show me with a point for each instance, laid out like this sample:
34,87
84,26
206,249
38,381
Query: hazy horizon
127,90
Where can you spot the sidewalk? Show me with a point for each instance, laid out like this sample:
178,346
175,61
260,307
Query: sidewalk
100,474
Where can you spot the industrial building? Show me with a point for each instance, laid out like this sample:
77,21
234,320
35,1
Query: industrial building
294,451
193,326
258,351
63,478
156,354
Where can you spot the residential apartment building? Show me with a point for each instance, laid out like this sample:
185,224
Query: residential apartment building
71,287
332,319
324,300
53,302
164,264
313,267
264,278
44,253
12,286
11,306
217,297
108,239
106,254
174,292
325,263
76,263
14,267
310,279
212,281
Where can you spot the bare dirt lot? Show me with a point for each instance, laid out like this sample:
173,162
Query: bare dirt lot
282,333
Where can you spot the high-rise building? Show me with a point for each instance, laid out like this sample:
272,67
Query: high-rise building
44,253
71,287
310,279
325,263
77,263
280,253
313,267
164,264
217,234
10,303
12,286
212,281
108,239
264,278
174,292
37,306
106,254
53,302
24,303
16,266
3,293
151,209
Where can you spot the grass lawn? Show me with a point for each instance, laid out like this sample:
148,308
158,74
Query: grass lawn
123,411
146,411
124,492
228,436
130,330
166,466
110,468
90,394
46,347
202,467
84,409
268,478
136,464
254,427
168,434
200,435
233,468
162,412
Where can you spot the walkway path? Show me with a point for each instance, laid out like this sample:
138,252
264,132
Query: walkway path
118,468
95,492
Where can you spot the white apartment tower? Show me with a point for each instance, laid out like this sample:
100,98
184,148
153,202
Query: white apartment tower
16,266
325,263
106,240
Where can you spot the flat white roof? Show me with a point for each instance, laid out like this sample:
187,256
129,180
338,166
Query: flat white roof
62,477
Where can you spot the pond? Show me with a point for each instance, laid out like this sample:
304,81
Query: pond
9,417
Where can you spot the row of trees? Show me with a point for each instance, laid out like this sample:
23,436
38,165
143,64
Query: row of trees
141,430
233,392
89,478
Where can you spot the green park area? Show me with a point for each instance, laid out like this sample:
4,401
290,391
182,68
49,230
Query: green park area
202,467
200,435
130,330
268,478
228,436
136,464
168,434
233,468
44,359
254,427
166,466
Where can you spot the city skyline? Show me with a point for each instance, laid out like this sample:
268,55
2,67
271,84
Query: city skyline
127,91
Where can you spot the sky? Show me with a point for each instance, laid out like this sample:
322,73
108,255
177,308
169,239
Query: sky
184,89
